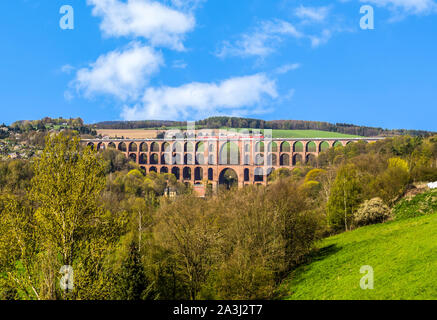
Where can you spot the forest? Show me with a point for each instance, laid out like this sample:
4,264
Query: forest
126,240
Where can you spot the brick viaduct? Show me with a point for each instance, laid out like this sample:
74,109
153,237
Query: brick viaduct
196,160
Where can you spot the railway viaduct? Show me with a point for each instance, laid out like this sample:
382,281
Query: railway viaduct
196,160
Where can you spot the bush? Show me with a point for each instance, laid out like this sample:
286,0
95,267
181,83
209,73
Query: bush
422,204
371,211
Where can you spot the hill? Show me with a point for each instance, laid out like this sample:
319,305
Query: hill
402,253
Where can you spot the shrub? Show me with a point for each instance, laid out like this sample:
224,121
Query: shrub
371,211
421,204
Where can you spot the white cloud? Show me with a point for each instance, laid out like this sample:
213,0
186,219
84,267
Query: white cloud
179,64
239,95
160,24
312,14
122,74
407,6
67,69
261,42
287,67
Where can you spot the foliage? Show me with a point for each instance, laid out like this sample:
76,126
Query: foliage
421,204
371,211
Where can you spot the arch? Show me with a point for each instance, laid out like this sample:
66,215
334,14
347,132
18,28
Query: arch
211,147
143,170
311,159
210,174
297,159
211,159
165,147
311,147
229,153
101,146
122,147
91,145
198,173
272,159
298,146
273,147
246,159
188,158
246,175
153,169
337,144
258,174
133,147
200,147
166,158
143,158
164,170
154,159
228,178
247,147
176,172
154,147
188,147
259,159
144,147
285,147
177,147
187,173
349,142
177,158
259,146
133,157
200,159
111,145
285,160
324,146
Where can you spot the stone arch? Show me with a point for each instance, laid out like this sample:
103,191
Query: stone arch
272,160
211,147
165,147
122,147
311,147
112,145
211,159
337,144
154,147
101,146
210,174
285,146
188,147
198,173
91,145
297,159
324,146
247,147
143,158
229,153
259,146
164,170
349,142
258,174
246,159
311,159
177,158
166,158
144,147
177,147
153,169
298,146
133,147
273,147
154,159
285,160
133,157
176,172
228,177
187,173
200,147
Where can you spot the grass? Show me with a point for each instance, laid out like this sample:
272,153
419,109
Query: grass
403,254
305,134
421,204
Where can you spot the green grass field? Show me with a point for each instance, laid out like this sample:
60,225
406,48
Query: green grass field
403,254
309,134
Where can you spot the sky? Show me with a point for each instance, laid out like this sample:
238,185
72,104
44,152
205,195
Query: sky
190,59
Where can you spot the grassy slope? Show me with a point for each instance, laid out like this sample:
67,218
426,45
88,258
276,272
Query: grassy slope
402,253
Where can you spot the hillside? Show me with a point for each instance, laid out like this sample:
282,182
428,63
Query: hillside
403,254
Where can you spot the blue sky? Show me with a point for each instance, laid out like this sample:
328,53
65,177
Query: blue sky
188,59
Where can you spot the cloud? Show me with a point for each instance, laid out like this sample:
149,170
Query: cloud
287,67
67,69
179,64
312,14
160,24
261,42
416,7
238,95
122,74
